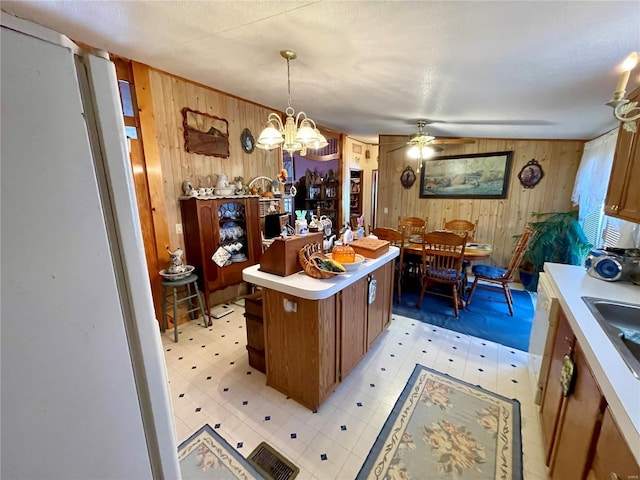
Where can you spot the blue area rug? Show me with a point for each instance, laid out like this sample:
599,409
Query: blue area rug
443,428
483,318
206,455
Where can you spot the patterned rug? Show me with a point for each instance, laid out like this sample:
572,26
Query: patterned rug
206,455
443,428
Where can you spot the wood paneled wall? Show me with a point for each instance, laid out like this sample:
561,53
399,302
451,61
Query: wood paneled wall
170,95
498,220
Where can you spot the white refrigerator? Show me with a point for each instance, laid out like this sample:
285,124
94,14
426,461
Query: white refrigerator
84,389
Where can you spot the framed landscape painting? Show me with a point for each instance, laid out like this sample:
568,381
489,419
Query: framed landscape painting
479,175
205,134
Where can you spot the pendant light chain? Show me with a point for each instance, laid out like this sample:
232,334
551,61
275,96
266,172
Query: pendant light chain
289,82
294,134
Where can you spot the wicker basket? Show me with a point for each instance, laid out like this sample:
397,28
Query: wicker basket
314,250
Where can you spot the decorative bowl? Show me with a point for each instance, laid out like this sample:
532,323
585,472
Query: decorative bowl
349,267
177,276
224,191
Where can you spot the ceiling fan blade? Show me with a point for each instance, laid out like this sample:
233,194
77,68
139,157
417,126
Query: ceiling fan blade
398,148
452,141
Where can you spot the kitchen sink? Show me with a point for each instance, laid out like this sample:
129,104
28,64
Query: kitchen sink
621,322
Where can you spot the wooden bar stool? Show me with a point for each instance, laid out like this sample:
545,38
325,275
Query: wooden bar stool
174,288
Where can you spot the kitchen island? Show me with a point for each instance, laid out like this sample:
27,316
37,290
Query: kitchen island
619,388
317,330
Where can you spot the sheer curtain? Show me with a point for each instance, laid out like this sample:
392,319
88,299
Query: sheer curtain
591,184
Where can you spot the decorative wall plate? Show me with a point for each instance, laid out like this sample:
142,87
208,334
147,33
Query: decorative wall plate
247,141
531,174
408,177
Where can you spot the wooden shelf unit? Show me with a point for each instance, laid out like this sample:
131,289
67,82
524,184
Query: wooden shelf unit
355,195
203,221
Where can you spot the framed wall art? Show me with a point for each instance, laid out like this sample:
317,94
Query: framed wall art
205,134
531,174
480,175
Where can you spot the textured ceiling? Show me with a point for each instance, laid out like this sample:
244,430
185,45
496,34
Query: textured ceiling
478,69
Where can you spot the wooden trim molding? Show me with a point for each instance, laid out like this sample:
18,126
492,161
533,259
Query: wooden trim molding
152,158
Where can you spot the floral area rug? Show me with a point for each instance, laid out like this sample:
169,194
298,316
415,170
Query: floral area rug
206,455
444,428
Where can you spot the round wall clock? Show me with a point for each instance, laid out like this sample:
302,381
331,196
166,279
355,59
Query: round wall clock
247,141
408,177
531,174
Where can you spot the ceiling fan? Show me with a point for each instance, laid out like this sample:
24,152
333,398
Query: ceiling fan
422,145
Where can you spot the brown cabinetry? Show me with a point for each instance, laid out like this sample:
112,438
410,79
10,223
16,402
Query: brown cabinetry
353,311
564,342
572,425
213,223
379,311
623,195
579,422
612,459
311,345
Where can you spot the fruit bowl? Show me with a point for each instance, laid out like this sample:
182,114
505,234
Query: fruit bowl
349,267
307,257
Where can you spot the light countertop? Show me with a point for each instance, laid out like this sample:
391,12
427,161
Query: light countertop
303,286
617,383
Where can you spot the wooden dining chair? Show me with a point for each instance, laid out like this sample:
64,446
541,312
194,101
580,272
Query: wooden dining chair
413,229
502,276
396,238
411,222
442,257
459,226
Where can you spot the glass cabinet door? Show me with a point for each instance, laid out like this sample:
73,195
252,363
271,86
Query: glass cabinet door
232,222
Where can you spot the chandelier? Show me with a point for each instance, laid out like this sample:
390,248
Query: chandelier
622,107
297,133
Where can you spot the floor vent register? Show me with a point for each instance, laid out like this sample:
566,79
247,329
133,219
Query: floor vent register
272,464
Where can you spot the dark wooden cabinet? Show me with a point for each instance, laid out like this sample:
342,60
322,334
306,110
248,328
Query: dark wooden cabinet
623,195
209,224
355,195
323,196
612,459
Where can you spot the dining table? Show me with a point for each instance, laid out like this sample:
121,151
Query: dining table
473,251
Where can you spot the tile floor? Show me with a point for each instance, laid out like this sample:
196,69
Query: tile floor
211,382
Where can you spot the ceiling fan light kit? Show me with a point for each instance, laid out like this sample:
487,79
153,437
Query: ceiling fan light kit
622,107
298,133
423,146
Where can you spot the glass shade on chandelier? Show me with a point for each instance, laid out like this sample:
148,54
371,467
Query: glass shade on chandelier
623,108
298,133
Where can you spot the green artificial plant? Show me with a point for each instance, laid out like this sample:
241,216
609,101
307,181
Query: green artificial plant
558,239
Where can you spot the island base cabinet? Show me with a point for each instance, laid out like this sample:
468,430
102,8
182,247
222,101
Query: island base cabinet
612,459
302,342
312,345
379,311
353,309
